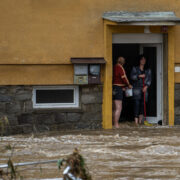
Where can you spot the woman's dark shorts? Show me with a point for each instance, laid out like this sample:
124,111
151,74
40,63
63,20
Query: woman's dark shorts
117,93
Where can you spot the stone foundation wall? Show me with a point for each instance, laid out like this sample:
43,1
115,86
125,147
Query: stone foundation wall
16,105
177,104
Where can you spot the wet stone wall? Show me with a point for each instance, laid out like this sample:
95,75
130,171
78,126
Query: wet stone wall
16,105
177,104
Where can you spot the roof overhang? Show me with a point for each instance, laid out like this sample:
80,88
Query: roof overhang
142,18
94,60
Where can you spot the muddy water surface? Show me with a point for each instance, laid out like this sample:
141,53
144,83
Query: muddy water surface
126,153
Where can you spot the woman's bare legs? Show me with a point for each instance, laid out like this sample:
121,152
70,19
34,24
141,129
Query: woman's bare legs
136,120
140,118
117,112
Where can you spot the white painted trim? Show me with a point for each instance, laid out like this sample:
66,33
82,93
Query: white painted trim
136,38
75,104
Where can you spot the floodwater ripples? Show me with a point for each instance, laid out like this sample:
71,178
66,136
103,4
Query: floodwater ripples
126,153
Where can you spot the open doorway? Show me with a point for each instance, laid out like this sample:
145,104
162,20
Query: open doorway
152,52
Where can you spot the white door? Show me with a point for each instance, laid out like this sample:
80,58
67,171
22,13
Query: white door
155,100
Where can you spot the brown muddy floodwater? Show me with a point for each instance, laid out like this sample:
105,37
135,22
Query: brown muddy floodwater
127,153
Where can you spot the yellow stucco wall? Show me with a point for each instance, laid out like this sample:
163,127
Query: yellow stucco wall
52,31
36,74
177,78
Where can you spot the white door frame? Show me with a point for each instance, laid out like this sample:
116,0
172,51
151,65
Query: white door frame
148,40
159,82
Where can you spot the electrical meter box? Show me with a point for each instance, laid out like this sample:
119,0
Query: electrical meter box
94,74
80,74
87,70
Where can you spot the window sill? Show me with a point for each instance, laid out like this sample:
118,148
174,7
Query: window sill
63,110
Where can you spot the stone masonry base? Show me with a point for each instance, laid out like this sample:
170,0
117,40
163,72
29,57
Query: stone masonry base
16,105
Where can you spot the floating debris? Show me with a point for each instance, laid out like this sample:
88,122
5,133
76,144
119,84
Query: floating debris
76,168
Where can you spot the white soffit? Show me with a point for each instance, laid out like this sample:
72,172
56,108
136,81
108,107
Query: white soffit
134,38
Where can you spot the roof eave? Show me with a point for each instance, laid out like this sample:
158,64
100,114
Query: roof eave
146,18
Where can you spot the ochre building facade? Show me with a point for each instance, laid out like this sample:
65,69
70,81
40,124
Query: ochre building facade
38,38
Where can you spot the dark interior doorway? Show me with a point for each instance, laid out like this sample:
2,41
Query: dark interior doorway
131,53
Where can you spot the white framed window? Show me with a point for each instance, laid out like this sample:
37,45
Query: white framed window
55,97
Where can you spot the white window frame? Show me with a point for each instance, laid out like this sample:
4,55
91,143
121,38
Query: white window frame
75,104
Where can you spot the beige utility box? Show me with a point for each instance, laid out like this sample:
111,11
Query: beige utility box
80,74
87,70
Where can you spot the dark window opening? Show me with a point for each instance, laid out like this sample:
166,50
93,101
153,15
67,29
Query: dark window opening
55,96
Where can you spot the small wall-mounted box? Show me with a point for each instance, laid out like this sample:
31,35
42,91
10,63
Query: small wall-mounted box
80,74
94,74
80,80
87,70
